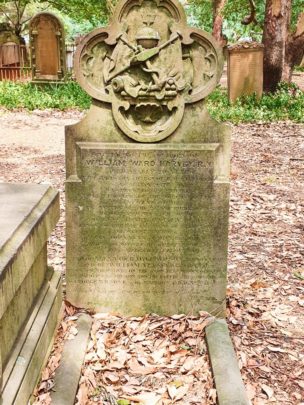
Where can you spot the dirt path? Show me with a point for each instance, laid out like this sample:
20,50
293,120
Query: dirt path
266,266
43,130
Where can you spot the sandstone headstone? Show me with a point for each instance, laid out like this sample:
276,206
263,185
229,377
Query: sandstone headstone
7,36
47,48
245,70
11,54
148,169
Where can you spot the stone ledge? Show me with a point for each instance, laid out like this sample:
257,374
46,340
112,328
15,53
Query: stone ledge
20,381
228,380
28,215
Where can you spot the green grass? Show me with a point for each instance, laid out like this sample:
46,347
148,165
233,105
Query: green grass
299,69
40,97
286,104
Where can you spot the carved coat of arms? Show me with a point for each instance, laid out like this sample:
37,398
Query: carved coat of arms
148,64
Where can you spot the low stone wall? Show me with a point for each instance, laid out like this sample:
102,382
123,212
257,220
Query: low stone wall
28,214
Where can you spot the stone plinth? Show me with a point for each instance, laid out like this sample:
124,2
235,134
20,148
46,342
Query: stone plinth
245,70
28,214
148,169
47,41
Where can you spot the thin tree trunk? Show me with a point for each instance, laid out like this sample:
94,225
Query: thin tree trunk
218,6
294,50
277,20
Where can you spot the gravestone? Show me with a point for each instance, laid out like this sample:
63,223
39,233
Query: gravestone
148,168
30,291
7,36
47,48
11,54
245,70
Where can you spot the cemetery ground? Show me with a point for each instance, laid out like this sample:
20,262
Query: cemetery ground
266,269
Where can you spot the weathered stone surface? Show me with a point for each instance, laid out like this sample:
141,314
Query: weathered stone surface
148,64
68,373
228,380
48,47
147,222
151,229
20,306
7,35
20,382
28,214
245,70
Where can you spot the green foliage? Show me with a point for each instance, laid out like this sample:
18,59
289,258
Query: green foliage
81,15
200,15
286,104
94,11
31,96
234,13
297,8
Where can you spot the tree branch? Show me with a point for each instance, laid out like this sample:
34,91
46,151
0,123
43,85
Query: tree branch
252,17
7,16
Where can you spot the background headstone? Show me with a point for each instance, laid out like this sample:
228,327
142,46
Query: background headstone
11,53
245,70
47,47
148,169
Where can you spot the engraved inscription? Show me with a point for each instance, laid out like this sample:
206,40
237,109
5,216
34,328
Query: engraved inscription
147,226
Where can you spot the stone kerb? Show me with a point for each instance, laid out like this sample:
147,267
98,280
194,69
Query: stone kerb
30,292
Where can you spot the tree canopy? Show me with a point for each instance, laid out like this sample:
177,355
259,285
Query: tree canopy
95,13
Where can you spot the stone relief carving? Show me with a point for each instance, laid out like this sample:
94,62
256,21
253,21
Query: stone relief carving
148,64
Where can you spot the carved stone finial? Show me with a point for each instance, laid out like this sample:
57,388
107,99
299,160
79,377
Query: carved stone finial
148,64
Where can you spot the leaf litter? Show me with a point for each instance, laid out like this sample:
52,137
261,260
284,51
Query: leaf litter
150,360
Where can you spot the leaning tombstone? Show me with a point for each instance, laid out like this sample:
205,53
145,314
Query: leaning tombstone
47,40
148,169
245,70
30,291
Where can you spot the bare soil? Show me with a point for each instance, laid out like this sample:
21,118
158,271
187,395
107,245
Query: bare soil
266,266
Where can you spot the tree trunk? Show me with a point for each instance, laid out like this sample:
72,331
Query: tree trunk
294,50
218,6
275,37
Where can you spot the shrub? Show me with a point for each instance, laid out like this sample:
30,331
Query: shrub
286,104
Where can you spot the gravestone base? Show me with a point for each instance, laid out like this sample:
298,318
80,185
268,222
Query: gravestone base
33,346
43,82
